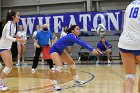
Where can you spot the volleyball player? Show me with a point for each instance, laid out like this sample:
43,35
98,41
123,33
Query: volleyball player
5,45
58,54
129,44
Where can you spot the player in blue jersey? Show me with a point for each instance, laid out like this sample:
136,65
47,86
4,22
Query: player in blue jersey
129,44
58,54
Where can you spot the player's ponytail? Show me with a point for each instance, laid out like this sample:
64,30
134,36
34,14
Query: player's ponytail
9,17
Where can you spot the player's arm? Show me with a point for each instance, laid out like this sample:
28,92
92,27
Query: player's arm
81,43
8,34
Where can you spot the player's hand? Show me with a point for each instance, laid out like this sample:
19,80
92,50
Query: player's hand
20,40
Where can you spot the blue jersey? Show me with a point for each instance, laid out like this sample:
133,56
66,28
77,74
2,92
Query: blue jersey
101,46
43,37
68,40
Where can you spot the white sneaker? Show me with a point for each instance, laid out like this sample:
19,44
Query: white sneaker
53,69
97,62
33,70
17,64
109,62
78,82
55,85
3,87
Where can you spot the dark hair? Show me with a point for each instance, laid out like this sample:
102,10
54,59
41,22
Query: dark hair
71,28
10,15
102,37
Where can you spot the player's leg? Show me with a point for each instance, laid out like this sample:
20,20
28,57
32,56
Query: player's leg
7,58
56,75
108,51
129,60
23,53
66,58
138,60
19,54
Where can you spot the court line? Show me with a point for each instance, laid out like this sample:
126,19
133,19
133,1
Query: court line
92,78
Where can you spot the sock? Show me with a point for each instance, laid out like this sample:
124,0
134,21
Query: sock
1,81
75,77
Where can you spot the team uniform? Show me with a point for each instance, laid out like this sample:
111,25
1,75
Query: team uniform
101,46
68,40
21,34
8,33
130,37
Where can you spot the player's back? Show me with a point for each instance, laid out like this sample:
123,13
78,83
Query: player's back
132,17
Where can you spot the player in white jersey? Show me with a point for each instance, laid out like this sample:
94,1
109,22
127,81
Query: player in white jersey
5,45
21,47
64,33
129,44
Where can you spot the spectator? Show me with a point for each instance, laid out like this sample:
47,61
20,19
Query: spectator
21,47
64,32
103,46
42,40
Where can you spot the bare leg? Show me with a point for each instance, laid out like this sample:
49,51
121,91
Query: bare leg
23,52
7,58
66,58
129,68
108,54
19,53
138,60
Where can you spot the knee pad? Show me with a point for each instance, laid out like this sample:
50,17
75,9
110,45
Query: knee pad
132,76
73,66
7,70
59,68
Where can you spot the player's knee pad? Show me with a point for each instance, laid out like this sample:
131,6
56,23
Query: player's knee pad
73,66
132,76
7,70
59,68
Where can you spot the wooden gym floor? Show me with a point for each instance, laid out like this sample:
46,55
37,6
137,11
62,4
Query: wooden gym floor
108,79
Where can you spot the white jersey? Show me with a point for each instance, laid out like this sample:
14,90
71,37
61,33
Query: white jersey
130,37
21,34
63,34
8,33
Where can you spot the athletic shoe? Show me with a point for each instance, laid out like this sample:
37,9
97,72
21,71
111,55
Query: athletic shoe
17,64
33,70
97,62
109,62
78,82
55,85
3,87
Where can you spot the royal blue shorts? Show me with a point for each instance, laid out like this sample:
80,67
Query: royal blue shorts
135,52
53,49
3,50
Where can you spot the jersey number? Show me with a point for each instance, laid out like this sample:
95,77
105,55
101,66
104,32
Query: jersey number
134,12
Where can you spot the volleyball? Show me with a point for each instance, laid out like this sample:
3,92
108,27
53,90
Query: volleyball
101,29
